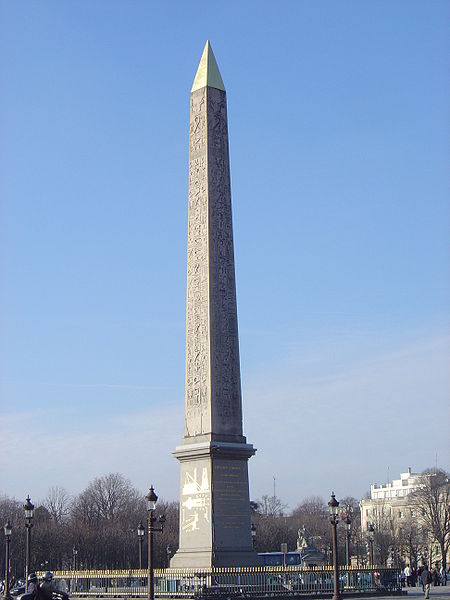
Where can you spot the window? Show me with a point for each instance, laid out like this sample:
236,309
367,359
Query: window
400,514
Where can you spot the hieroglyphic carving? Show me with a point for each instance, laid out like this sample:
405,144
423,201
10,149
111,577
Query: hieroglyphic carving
213,392
197,409
225,374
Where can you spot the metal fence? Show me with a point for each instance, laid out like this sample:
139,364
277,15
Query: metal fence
243,582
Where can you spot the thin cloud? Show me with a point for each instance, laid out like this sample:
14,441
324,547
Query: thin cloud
337,431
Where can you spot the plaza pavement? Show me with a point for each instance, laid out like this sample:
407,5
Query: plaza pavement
438,592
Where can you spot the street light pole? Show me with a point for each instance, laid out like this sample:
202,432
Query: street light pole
348,526
141,533
253,535
333,505
74,567
152,498
28,508
7,529
371,532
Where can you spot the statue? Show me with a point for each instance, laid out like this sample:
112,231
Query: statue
310,555
304,539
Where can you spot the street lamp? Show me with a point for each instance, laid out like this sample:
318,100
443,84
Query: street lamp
333,505
152,498
74,567
253,535
371,535
348,527
141,533
28,508
7,529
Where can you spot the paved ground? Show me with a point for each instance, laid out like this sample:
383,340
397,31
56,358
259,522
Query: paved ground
436,593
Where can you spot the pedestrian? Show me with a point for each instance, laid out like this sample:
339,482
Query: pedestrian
402,578
435,575
426,581
419,577
408,575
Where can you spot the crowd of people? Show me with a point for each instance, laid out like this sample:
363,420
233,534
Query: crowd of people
422,576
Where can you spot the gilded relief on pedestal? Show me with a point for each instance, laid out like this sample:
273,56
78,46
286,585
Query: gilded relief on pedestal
195,501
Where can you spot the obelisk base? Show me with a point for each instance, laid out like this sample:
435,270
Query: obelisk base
215,522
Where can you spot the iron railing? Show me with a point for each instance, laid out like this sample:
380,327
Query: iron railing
249,582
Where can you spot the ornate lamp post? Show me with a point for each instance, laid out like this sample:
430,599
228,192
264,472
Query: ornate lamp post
333,505
7,529
348,527
141,533
152,498
74,567
371,535
28,507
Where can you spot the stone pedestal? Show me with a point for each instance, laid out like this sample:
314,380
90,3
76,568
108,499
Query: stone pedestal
215,525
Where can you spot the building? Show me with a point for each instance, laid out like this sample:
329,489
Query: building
396,522
389,501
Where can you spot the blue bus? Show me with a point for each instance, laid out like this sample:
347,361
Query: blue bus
278,559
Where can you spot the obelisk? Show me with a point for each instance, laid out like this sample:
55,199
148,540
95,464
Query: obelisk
215,524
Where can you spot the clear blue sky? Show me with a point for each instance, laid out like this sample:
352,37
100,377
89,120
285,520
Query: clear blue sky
339,140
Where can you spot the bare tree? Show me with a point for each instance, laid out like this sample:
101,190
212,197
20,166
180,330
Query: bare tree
58,502
111,495
273,527
431,502
271,506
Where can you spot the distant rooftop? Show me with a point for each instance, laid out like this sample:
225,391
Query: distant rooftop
398,487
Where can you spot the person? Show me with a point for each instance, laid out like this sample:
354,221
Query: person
426,581
419,577
47,586
443,576
34,589
413,576
408,575
402,578
49,590
435,575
